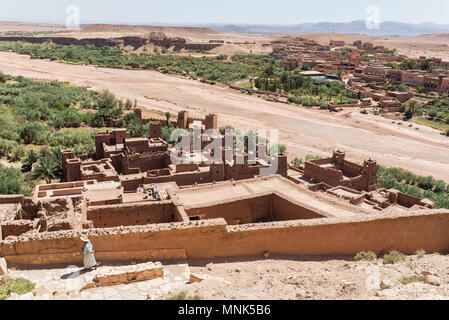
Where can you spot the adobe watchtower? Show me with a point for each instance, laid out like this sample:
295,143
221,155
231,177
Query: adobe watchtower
155,130
211,121
369,175
183,119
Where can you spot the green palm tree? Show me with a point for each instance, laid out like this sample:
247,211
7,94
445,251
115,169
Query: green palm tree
30,159
46,170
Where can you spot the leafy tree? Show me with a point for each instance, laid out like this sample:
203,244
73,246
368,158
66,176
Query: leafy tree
278,149
49,166
10,180
18,153
167,117
411,108
128,104
34,133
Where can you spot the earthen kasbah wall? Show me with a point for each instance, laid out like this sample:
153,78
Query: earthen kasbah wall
216,173
264,208
316,173
243,211
363,177
213,239
133,214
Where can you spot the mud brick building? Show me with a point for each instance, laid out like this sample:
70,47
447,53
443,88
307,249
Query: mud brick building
135,200
337,171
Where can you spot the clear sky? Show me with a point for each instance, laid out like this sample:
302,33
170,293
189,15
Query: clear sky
225,11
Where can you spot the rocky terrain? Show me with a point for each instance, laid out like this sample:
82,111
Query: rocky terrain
271,278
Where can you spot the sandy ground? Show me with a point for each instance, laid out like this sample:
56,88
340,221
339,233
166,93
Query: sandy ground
315,278
256,278
304,131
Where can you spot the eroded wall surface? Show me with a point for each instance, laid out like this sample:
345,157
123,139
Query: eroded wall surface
214,238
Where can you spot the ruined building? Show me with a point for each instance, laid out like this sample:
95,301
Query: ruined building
337,171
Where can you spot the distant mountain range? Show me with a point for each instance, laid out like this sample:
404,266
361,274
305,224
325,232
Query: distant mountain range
355,27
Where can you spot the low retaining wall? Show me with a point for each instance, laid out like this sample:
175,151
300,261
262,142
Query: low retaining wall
213,238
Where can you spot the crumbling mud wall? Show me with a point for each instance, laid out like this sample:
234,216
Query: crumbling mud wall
283,209
214,238
260,208
314,172
181,179
133,214
249,210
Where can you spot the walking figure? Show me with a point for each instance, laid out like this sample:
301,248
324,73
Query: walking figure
89,255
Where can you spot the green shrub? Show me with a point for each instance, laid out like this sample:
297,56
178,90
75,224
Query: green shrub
31,158
297,162
87,117
393,257
69,139
278,149
6,147
9,285
420,253
384,286
34,133
18,153
310,157
365,256
416,278
10,180
183,296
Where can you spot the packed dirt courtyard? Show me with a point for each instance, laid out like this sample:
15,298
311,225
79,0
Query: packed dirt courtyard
304,131
276,277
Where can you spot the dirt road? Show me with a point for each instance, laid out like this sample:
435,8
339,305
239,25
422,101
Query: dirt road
304,131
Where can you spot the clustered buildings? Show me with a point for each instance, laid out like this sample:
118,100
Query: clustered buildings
143,199
365,69
134,202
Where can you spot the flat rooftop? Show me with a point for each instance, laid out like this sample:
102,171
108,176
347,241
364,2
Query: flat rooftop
231,191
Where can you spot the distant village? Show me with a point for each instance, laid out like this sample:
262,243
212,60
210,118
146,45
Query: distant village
372,73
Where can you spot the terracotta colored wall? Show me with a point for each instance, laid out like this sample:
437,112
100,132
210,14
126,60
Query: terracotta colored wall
407,200
11,198
354,183
146,162
283,210
406,233
15,227
183,179
352,168
245,211
317,173
131,214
